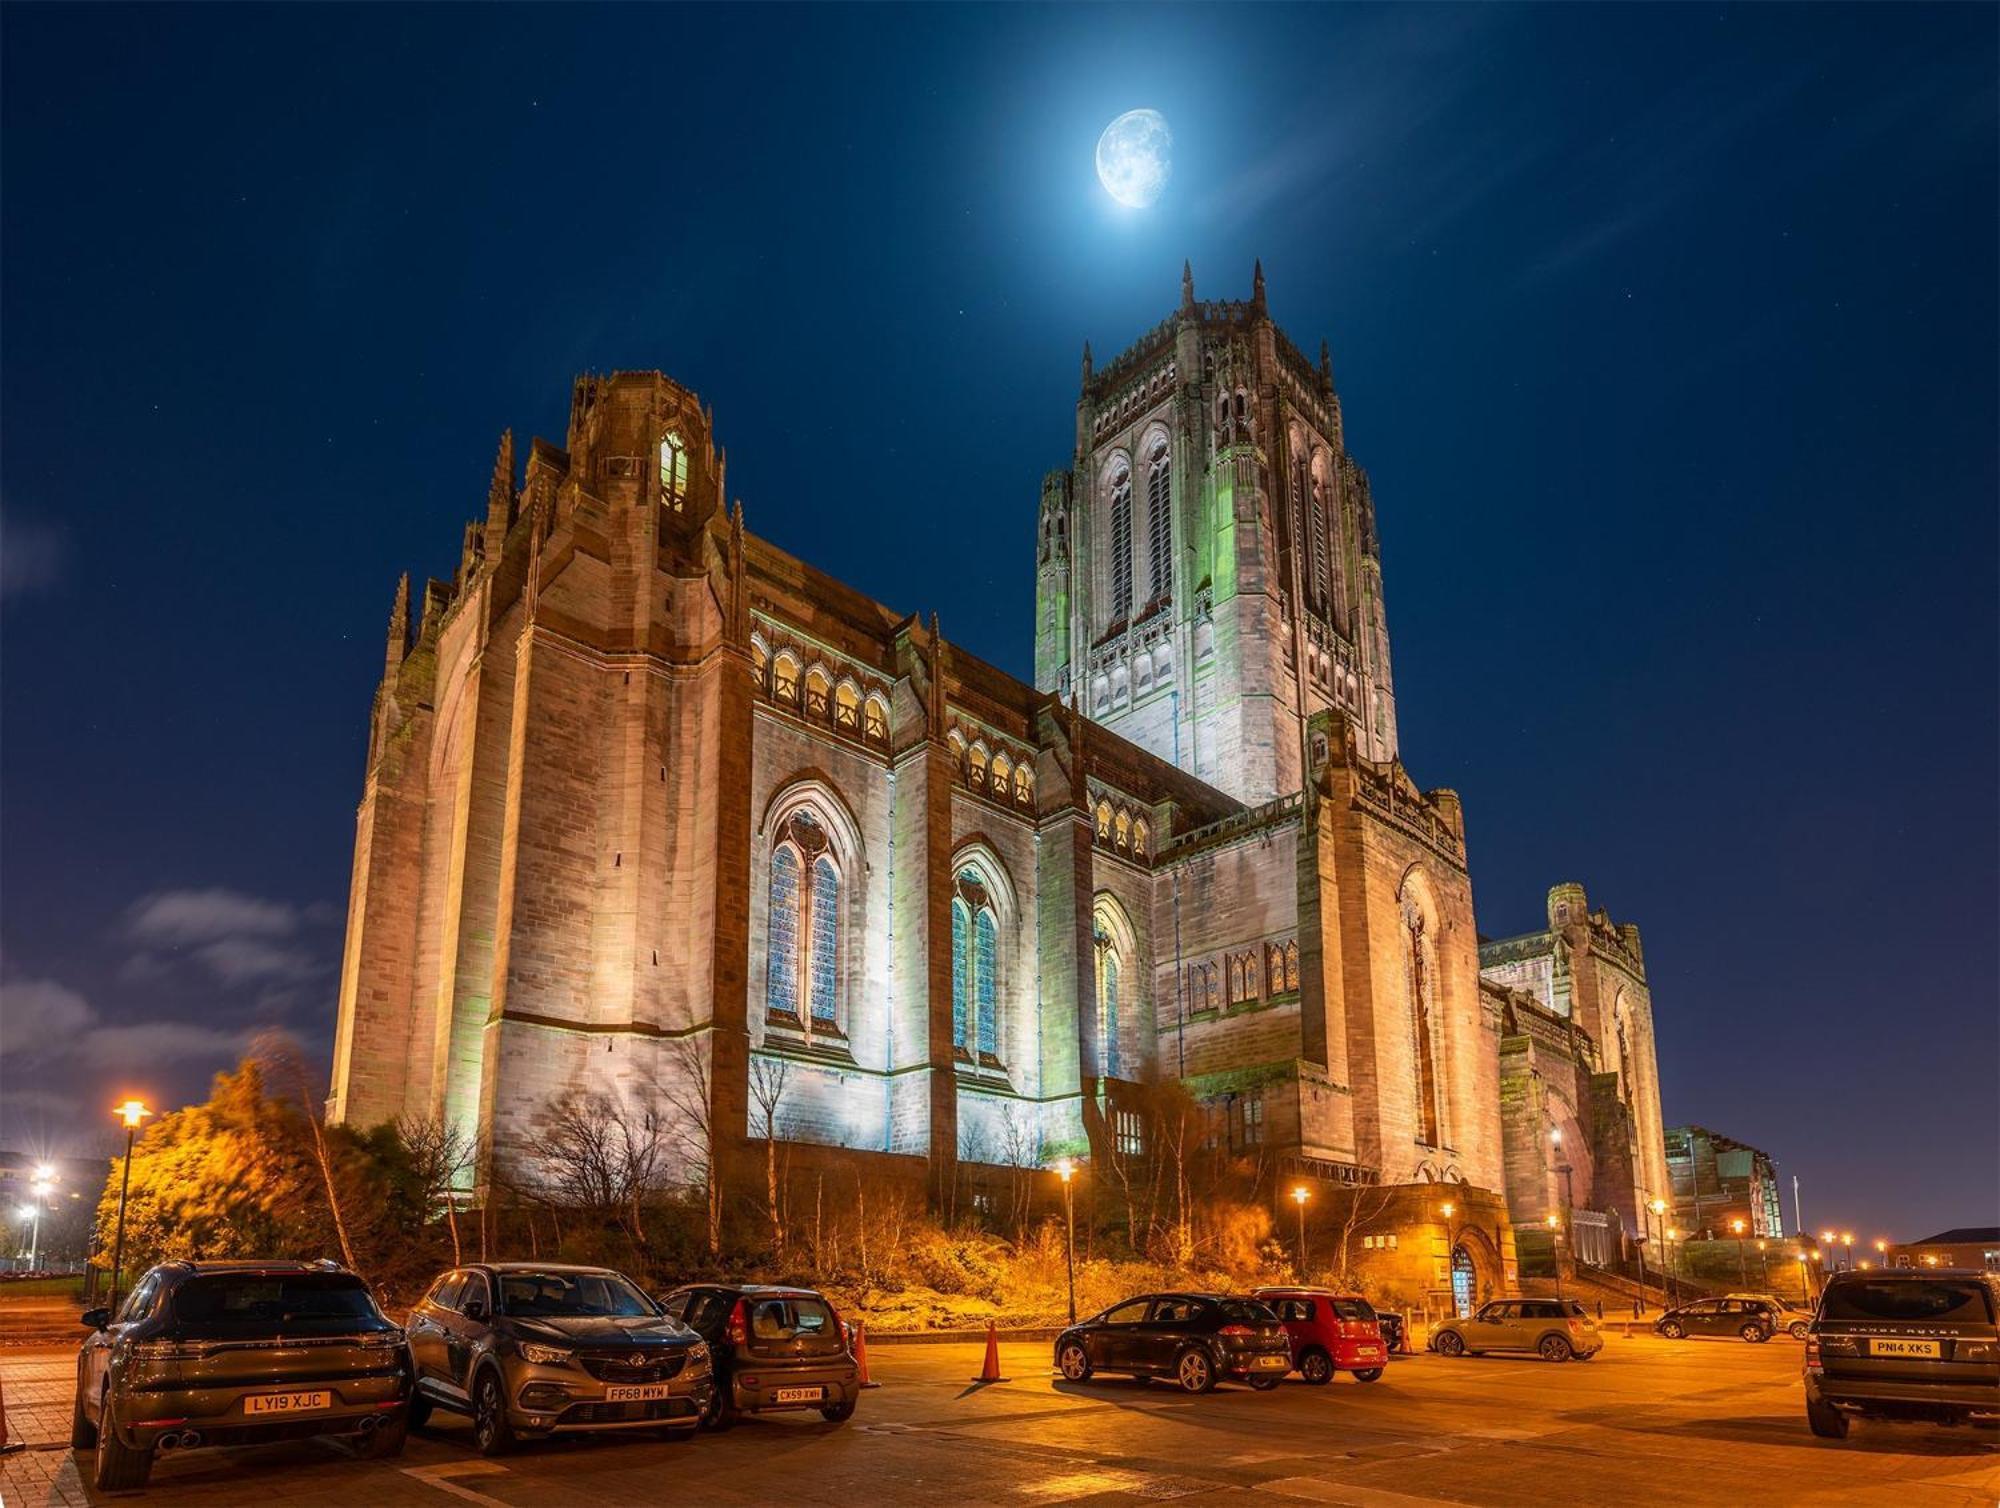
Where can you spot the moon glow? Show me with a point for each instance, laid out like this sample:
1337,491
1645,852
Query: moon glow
1134,157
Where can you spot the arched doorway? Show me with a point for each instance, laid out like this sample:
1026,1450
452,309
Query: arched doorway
1464,1282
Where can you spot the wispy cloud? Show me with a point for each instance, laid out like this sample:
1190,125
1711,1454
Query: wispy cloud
181,917
45,1022
237,939
31,558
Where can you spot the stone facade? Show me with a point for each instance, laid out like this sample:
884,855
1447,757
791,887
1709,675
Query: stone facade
1717,1181
648,798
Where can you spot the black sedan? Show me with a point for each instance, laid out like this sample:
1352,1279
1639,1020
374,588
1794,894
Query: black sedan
1195,1338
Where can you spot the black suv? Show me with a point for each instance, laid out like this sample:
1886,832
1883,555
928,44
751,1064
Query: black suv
1754,1319
774,1348
236,1353
1910,1344
1194,1338
532,1348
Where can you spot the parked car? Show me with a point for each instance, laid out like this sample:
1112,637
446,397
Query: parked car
1753,1319
1555,1329
1330,1332
1921,1343
530,1349
236,1353
1194,1338
1791,1319
773,1348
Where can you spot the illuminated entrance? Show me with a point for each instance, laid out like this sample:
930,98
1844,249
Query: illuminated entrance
1462,1287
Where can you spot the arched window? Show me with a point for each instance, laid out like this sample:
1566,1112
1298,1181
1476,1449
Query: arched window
1291,965
785,684
1159,521
1121,543
803,968
1274,967
761,657
1417,971
1139,835
818,690
875,719
976,767
673,470
1322,543
1001,780
1104,820
1024,783
1122,828
975,971
846,706
1107,1004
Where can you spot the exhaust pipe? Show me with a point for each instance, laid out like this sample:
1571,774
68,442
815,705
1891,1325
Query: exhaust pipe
370,1424
190,1439
171,1440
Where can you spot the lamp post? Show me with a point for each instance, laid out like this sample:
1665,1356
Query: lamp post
1555,1250
1763,1264
41,1189
1882,1251
1826,1239
1847,1242
1066,1170
1742,1259
1300,1193
131,1113
1673,1273
1658,1210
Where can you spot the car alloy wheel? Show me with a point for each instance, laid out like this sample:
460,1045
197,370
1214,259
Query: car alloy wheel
1316,1367
1754,1333
489,1416
1074,1363
1367,1374
1798,1330
1672,1330
1195,1373
1555,1348
1450,1343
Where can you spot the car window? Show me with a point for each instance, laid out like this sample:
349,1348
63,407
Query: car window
790,1318
1705,1306
223,1303
1353,1309
1576,1310
1734,1306
446,1294
707,1309
1175,1311
1295,1309
1540,1309
1497,1311
1133,1313
139,1302
564,1295
1249,1312
475,1290
1906,1301
676,1303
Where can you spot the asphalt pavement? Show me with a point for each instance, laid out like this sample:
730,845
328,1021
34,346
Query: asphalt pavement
1647,1421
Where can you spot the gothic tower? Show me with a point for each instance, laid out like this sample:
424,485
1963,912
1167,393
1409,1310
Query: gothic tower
1208,571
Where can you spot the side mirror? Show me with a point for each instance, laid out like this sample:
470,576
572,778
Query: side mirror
97,1319
475,1310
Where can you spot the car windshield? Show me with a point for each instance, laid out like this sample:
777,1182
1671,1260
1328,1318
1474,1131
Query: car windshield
238,1302
1249,1312
1353,1309
791,1318
571,1295
1912,1301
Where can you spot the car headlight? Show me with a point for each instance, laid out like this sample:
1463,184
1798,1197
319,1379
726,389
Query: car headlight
698,1357
544,1356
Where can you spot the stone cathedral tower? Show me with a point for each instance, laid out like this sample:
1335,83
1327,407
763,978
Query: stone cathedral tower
1208,572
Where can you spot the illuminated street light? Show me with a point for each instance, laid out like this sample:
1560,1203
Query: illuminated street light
1555,1250
1300,1193
131,1113
1066,1170
1742,1260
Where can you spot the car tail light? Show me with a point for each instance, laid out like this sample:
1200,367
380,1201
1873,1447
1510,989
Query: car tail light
1236,1330
738,1328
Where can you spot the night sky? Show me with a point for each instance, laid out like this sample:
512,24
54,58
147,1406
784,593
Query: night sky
1667,335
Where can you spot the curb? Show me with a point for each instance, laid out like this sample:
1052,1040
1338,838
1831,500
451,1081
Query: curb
953,1337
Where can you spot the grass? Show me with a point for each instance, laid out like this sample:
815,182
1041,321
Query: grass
42,1288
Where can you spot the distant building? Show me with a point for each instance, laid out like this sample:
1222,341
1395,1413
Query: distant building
1717,1179
1967,1246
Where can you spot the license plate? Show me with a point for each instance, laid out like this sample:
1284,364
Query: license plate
286,1403
1366,1353
1275,1361
1905,1348
636,1392
800,1395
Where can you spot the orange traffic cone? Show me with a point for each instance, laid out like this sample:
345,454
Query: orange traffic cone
990,1372
861,1353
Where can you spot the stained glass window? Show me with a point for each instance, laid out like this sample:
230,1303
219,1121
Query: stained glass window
782,990
825,936
986,966
960,924
1159,522
1121,545
1109,1002
673,469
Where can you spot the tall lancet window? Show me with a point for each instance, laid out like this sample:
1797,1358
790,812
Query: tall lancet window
1159,522
673,470
1423,1011
975,971
1107,1004
1121,544
1322,545
803,969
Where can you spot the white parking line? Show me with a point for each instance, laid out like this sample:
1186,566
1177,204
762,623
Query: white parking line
437,1476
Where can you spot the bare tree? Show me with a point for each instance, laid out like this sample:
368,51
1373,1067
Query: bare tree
1021,1148
283,1064
1362,1205
690,1093
769,1078
438,1153
606,1152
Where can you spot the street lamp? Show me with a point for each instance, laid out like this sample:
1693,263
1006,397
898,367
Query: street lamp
1673,1267
1882,1250
41,1189
131,1113
1066,1170
1847,1240
1658,1210
1555,1250
1763,1265
1742,1261
1300,1194
1826,1239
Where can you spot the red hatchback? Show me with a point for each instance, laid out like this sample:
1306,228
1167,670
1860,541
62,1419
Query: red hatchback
1330,1332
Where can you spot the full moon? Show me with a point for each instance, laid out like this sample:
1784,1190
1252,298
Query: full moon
1133,159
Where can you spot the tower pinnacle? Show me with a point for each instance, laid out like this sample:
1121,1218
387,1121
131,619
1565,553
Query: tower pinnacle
1257,287
1187,286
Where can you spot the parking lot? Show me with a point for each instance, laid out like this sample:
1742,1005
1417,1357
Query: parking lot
1648,1420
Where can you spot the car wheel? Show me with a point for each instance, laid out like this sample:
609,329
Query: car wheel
1673,1330
82,1433
838,1413
1449,1343
1556,1348
1316,1367
420,1410
1194,1371
387,1439
1798,1330
1368,1374
117,1467
490,1430
1826,1421
1754,1333
720,1412
1073,1362
1263,1384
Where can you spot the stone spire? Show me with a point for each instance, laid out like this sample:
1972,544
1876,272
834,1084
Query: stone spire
500,497
1086,363
1187,286
1325,368
399,628
1257,287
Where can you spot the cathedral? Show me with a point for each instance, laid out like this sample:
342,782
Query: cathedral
649,801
